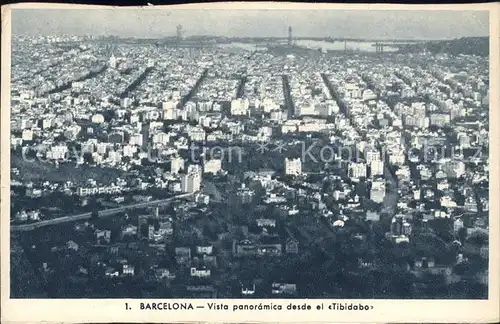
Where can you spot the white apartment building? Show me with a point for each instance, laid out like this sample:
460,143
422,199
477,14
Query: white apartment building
200,273
240,107
357,170
377,192
57,152
371,154
129,150
82,191
293,166
128,270
377,167
397,157
97,119
176,164
212,166
191,181
197,134
27,135
136,139
161,138
352,90
169,110
204,249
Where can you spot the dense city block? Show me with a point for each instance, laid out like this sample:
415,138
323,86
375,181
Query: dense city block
224,168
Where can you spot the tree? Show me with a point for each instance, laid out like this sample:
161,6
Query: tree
462,234
478,238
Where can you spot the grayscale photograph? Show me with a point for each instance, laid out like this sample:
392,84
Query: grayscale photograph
235,154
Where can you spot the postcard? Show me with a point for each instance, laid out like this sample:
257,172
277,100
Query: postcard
250,162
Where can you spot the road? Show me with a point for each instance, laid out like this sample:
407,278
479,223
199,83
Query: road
105,212
391,197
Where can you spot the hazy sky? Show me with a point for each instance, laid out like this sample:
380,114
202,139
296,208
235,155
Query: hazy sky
335,23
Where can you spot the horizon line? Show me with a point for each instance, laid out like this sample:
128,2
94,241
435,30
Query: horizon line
319,38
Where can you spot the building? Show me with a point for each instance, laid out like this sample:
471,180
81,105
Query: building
212,166
103,236
202,249
129,150
128,270
454,169
191,181
162,273
371,154
176,164
439,120
406,228
284,289
112,62
161,138
27,135
169,110
265,133
15,142
240,107
277,115
357,170
47,123
111,272
197,134
293,166
377,191
403,174
266,222
129,230
202,199
248,248
397,157
458,224
200,273
352,90
248,291
416,121
201,291
376,168
397,226
136,139
368,95
246,195
58,152
372,216
292,246
447,201
125,102
97,119
151,232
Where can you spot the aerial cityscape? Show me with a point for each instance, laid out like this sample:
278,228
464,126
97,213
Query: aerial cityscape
204,166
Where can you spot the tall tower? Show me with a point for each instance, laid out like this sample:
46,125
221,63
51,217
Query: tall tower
290,36
179,33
